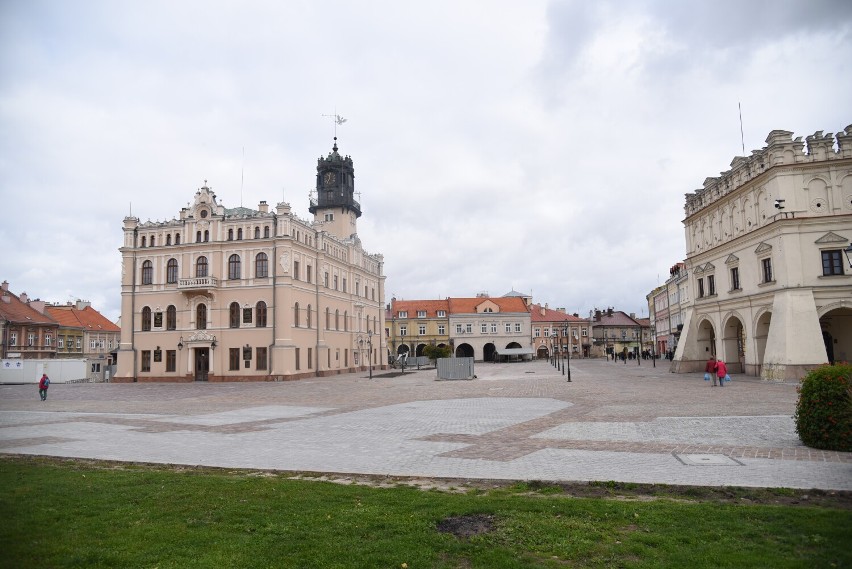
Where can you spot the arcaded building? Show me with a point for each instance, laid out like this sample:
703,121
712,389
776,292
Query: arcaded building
771,285
241,294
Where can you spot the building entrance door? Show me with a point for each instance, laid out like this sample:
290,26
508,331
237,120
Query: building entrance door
202,363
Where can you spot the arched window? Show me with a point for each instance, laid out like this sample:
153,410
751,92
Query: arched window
177,239
240,234
198,237
234,267
144,241
310,323
171,317
172,271
147,273
261,266
231,234
257,232
260,310
266,231
152,241
296,315
206,235
337,320
201,267
146,319
234,315
201,317
169,239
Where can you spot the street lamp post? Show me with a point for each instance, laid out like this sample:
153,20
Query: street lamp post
558,349
567,365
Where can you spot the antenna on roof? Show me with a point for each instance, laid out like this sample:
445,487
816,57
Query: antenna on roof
338,120
742,137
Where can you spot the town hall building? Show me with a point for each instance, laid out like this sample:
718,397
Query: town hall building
241,294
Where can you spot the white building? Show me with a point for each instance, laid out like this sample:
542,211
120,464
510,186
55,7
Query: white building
771,287
252,295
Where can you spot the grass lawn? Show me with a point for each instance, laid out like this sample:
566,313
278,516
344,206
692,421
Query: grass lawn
66,513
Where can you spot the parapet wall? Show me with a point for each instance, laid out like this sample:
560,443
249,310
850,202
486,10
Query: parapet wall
781,150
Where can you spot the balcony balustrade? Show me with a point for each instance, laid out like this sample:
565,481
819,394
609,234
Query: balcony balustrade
198,283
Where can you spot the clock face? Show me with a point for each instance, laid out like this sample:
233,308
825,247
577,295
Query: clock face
329,178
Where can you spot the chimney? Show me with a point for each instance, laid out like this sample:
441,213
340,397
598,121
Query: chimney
37,304
576,315
83,304
24,298
609,311
633,315
5,286
597,315
263,207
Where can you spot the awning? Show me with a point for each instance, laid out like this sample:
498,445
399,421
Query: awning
514,352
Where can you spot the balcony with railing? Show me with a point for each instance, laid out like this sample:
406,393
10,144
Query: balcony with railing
198,284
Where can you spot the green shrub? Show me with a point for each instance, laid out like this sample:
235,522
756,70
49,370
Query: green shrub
824,409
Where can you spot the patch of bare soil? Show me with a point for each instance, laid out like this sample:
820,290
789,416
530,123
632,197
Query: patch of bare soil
466,526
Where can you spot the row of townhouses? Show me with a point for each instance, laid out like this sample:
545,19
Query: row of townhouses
510,327
767,280
32,329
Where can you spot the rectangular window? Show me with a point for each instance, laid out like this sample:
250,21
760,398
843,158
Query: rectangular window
96,368
517,327
483,328
584,332
403,314
309,274
547,332
832,263
48,340
441,329
422,329
442,314
711,285
735,278
247,315
61,341
13,339
233,359
421,314
146,360
538,332
310,358
31,339
458,328
298,359
261,358
335,282
79,343
767,270
468,328
493,327
508,326
344,284
403,330
700,288
171,360
325,280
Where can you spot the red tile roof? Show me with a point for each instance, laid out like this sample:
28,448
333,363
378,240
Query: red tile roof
89,319
412,306
13,310
469,305
539,313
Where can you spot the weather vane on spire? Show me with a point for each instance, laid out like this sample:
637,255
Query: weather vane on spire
338,120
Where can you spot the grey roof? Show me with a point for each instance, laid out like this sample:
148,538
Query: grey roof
233,212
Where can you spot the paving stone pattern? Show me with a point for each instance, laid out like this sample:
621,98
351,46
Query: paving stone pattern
524,421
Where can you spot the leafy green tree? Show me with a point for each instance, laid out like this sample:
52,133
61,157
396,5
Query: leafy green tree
435,352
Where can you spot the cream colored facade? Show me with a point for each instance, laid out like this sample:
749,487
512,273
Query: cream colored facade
252,295
771,288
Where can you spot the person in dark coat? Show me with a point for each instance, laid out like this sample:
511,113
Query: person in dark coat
43,384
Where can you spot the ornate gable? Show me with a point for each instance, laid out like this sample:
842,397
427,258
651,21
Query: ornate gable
732,259
763,248
831,237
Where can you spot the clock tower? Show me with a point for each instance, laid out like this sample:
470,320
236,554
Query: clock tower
335,206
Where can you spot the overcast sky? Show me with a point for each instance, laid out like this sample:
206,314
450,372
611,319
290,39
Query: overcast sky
544,147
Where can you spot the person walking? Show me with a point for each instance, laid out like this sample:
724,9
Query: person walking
43,384
721,372
710,370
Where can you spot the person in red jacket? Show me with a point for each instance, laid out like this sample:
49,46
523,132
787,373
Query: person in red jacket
43,384
710,370
721,372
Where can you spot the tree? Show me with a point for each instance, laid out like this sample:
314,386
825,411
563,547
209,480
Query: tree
435,352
